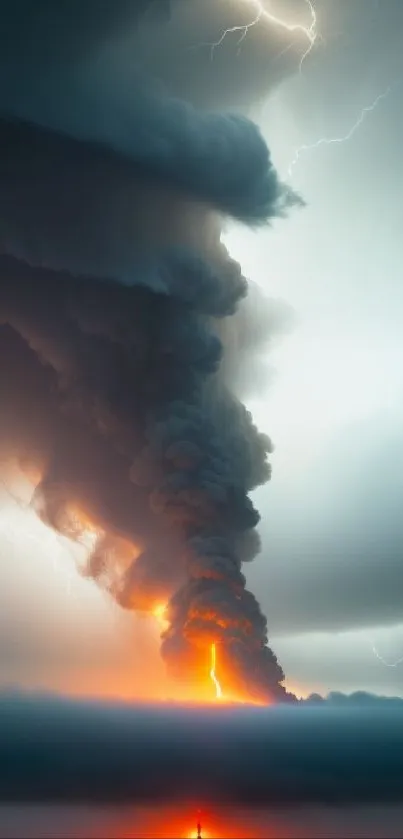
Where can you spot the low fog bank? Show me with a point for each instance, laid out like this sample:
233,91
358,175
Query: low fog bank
334,752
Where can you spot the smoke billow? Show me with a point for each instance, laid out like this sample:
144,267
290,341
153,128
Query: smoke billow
114,294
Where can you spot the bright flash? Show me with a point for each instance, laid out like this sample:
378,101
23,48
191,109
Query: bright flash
213,677
261,14
308,32
159,613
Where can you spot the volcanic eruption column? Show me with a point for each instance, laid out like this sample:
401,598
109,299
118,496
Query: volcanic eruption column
114,294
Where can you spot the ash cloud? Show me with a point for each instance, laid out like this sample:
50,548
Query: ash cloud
55,750
113,284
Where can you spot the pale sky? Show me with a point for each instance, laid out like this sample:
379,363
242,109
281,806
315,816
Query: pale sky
331,522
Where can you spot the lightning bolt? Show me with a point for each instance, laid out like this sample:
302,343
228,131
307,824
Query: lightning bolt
329,141
213,676
262,14
383,660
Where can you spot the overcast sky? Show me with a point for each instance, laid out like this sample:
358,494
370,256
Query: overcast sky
330,574
332,525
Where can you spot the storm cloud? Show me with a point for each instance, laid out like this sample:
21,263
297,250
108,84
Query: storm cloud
168,42
114,286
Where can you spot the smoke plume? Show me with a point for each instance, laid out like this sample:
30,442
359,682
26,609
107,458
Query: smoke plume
115,291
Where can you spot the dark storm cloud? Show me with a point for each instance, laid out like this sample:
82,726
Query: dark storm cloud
237,72
109,210
165,41
168,41
43,34
123,421
113,277
53,749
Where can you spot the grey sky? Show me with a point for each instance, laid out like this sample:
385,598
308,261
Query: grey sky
332,526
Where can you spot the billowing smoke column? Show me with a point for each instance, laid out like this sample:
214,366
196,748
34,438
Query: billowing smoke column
114,286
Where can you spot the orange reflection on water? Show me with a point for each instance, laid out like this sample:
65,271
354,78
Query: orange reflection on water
178,822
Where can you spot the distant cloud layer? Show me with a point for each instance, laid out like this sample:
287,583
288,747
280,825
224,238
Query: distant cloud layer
52,749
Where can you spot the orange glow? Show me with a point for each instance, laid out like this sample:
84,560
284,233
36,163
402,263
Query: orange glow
212,618
86,530
159,613
180,823
213,677
124,648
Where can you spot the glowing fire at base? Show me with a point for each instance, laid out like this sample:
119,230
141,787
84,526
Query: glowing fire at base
159,612
213,677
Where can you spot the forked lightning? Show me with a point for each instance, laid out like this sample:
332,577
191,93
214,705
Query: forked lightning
261,14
